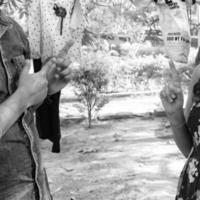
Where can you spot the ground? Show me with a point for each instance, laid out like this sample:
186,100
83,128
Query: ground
127,159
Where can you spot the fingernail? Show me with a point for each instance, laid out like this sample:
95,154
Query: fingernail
173,96
57,76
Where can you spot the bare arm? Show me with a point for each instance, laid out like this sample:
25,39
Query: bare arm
32,89
181,133
172,99
182,136
11,110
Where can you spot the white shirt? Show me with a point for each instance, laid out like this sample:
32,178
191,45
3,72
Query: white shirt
44,28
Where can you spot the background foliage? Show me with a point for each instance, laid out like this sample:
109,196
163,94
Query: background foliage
128,37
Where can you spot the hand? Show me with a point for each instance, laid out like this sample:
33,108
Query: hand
172,95
61,70
34,86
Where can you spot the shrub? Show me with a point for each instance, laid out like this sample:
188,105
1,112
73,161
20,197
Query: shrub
91,81
146,50
133,74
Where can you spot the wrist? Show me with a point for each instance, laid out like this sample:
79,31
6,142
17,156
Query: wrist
50,92
178,126
176,118
52,89
22,98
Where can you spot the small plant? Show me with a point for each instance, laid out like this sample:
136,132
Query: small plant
91,81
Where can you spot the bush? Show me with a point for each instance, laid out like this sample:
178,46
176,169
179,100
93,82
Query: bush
135,74
91,81
146,50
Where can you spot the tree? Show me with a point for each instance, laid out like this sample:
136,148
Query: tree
19,7
119,19
90,81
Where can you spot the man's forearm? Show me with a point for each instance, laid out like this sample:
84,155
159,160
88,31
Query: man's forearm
10,110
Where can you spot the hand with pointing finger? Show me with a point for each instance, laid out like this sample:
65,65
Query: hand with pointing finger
60,73
172,95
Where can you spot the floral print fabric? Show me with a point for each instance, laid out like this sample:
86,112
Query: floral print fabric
189,182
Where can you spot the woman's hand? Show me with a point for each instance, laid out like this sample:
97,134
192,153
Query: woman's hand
172,97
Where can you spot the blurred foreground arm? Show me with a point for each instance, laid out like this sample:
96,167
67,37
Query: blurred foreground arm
32,89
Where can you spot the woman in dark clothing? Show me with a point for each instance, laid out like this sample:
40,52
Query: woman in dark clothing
186,130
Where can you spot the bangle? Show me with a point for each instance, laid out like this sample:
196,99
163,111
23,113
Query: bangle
178,125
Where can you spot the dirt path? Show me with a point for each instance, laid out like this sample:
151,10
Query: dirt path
134,159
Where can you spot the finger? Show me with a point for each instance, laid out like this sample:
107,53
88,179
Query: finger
65,73
168,95
162,94
175,89
66,48
172,65
62,78
68,45
174,72
48,66
57,76
63,65
52,69
173,92
27,67
60,60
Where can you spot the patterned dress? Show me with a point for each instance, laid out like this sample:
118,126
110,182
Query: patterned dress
189,182
44,28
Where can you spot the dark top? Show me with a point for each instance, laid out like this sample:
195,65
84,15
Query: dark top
189,182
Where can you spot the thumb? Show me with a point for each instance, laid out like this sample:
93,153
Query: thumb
26,67
64,51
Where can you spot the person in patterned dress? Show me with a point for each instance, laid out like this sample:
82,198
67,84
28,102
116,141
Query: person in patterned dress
50,24
186,130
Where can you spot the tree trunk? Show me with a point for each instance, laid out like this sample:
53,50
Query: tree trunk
89,118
